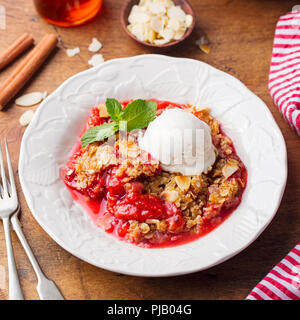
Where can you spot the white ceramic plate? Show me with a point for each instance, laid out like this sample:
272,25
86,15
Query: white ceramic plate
48,141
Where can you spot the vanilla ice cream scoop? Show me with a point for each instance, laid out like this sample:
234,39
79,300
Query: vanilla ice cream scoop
180,141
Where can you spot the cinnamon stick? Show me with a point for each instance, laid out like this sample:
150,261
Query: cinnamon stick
26,69
13,51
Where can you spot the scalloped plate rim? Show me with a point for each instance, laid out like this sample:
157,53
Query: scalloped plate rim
128,272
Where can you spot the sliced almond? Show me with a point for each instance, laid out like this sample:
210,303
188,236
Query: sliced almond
138,30
205,49
133,151
95,45
134,11
96,60
128,148
149,235
167,34
174,24
157,8
45,94
157,24
139,17
152,221
188,20
166,3
26,117
148,33
29,99
228,170
158,21
179,34
69,172
103,111
72,52
144,228
183,182
202,43
177,13
170,195
203,40
161,41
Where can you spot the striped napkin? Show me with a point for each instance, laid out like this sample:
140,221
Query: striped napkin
282,282
284,77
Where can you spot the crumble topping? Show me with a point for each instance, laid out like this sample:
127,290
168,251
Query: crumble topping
94,159
154,205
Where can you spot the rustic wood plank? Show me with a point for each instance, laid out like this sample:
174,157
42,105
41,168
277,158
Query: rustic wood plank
241,36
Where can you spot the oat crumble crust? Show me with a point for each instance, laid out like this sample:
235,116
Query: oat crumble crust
198,197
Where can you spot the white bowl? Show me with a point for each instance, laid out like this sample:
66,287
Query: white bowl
51,135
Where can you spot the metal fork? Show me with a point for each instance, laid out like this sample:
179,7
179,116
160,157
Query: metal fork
8,205
46,288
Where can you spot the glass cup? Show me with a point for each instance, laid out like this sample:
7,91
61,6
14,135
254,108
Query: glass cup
68,13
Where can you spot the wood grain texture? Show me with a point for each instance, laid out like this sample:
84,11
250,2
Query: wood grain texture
241,35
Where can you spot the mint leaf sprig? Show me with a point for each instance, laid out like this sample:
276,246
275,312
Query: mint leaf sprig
137,115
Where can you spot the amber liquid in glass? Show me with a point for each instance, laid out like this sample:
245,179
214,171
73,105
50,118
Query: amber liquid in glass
67,13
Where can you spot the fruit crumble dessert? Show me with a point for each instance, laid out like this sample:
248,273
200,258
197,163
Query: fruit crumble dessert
130,192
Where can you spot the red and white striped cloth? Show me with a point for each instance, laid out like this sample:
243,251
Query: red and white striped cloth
284,77
282,282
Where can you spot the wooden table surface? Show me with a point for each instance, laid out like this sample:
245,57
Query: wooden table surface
241,36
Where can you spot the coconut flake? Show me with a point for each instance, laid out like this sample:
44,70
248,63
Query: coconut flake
96,60
73,52
29,99
95,46
26,117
